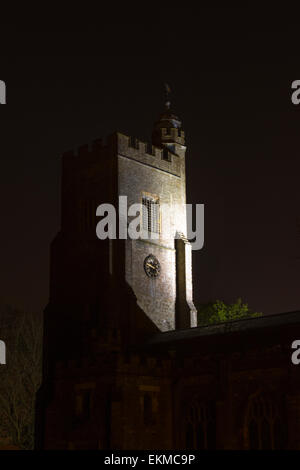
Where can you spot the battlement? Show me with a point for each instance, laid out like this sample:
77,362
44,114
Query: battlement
144,365
160,158
131,364
85,150
173,134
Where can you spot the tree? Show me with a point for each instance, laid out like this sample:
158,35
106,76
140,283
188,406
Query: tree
20,378
219,312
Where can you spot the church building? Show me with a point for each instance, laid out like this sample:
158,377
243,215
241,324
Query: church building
125,364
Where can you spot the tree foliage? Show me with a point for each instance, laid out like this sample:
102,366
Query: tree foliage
20,379
219,312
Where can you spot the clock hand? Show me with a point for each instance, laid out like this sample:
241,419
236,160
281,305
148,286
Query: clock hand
151,266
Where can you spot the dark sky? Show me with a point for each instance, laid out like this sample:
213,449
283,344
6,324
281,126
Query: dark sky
71,79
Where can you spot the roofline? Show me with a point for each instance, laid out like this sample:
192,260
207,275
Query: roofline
236,326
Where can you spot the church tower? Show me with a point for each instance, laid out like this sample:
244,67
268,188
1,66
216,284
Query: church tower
109,297
158,263
87,275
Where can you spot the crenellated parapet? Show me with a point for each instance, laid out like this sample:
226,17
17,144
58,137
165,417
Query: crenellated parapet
84,151
161,158
141,365
172,134
131,364
156,157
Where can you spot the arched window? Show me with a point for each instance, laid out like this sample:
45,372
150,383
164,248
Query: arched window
264,427
200,426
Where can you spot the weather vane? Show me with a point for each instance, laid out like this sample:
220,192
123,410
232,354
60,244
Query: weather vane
168,92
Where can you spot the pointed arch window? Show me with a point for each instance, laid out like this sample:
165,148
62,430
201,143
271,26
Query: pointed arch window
264,426
200,426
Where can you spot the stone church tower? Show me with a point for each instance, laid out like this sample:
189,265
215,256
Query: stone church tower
109,296
158,264
86,273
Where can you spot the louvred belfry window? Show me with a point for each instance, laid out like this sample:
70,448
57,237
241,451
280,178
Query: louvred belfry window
151,220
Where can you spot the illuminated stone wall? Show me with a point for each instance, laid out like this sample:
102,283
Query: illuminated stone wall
139,173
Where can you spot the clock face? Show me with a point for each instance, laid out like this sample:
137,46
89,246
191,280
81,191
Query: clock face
152,266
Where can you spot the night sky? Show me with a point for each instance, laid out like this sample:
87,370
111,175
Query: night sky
72,79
